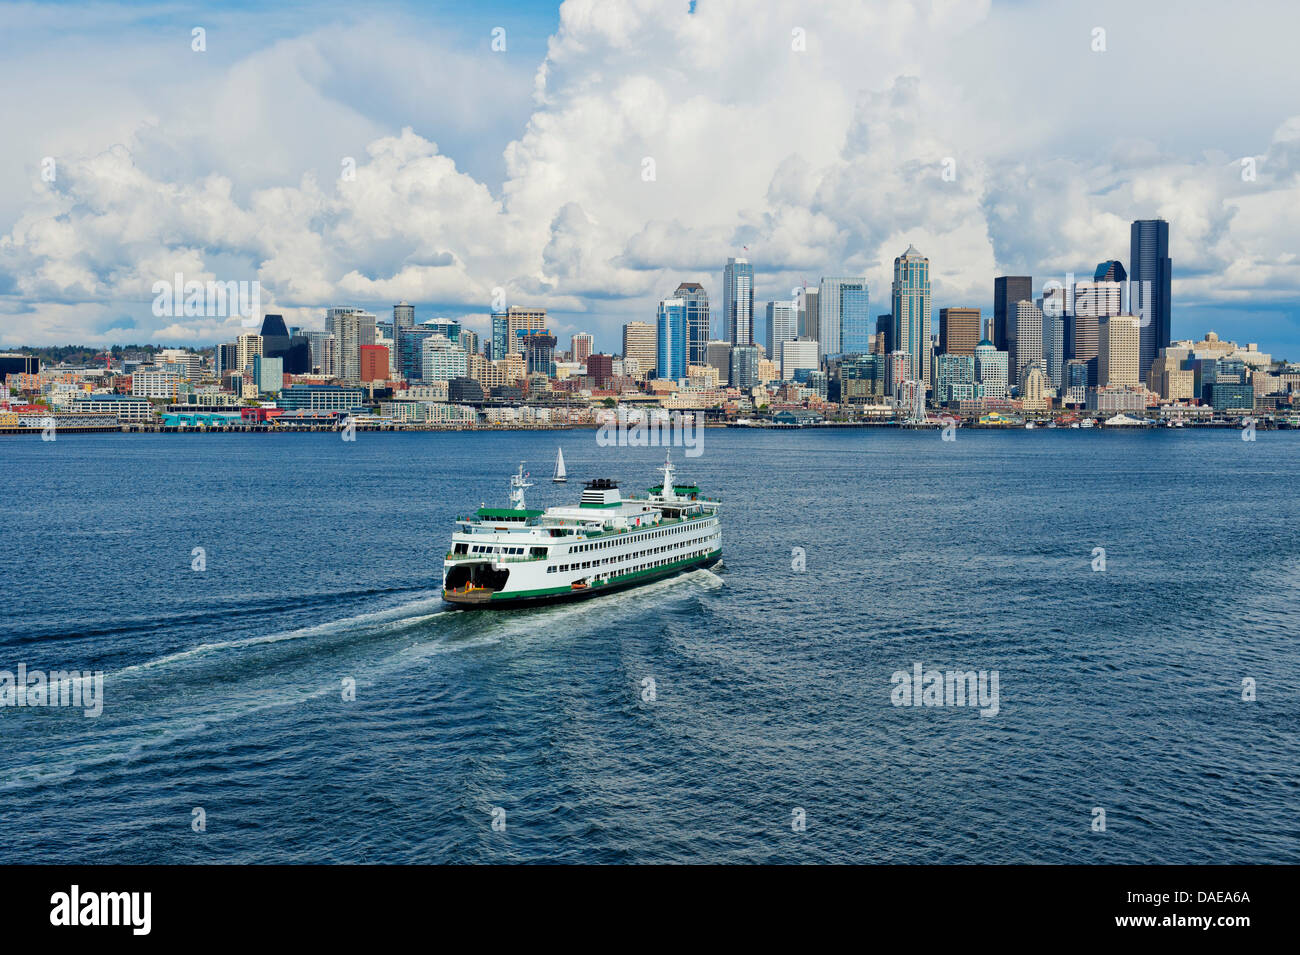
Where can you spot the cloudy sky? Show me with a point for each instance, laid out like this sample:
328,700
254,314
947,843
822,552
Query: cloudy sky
815,134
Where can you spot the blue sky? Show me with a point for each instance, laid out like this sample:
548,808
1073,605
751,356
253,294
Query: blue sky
523,170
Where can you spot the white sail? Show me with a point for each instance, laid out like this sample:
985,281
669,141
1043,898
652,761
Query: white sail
560,477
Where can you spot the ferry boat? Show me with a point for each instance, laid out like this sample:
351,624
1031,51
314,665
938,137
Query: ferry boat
514,556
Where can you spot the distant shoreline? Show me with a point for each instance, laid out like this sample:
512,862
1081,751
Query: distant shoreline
829,426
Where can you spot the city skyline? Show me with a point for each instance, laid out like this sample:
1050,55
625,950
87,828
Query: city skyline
366,195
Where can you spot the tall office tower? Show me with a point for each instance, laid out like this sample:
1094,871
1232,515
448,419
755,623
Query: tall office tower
410,351
960,330
275,337
911,310
1093,302
403,317
1150,269
991,370
782,326
539,352
799,354
246,348
224,359
809,313
1026,324
581,347
1007,290
351,328
468,340
844,326
718,354
324,353
519,321
640,344
670,339
884,334
697,320
1052,308
744,366
1112,270
1119,354
498,348
738,301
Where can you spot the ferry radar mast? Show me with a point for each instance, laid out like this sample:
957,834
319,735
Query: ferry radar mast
518,484
668,493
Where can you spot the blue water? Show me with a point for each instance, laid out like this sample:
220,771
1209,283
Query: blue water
1119,689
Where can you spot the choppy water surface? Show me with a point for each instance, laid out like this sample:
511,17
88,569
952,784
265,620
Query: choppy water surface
1119,689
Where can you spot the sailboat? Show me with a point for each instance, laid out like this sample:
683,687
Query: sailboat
559,467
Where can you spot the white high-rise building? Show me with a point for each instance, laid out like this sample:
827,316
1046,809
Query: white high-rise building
1118,356
1027,319
640,345
799,353
991,370
782,326
246,347
443,360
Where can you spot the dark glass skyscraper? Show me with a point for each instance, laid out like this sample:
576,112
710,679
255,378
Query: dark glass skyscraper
1111,271
1150,267
1007,290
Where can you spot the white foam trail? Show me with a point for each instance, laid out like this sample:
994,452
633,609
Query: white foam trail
396,618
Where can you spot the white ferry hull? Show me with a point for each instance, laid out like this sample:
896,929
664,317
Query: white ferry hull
498,600
507,557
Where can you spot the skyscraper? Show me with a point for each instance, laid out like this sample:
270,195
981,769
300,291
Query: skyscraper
991,370
738,301
744,366
1119,354
403,317
351,328
782,326
520,321
1151,269
499,348
697,320
246,348
581,347
1007,290
1025,320
718,354
324,353
1112,270
670,338
809,315
959,330
845,323
1052,307
910,295
639,347
1093,302
884,334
